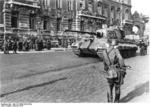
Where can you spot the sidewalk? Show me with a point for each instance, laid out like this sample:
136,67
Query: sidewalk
43,51
145,98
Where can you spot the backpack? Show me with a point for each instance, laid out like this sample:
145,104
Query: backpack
112,70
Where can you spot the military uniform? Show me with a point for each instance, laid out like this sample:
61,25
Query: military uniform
115,59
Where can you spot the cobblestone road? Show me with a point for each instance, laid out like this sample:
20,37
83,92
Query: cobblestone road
84,82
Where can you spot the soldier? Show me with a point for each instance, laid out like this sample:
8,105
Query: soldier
15,46
146,46
48,44
142,47
6,47
113,59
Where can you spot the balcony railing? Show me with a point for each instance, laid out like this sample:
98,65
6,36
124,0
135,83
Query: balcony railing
80,13
128,21
27,3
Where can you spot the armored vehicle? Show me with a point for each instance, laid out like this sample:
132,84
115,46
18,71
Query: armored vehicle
88,43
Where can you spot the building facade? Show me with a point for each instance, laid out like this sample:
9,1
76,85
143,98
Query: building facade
93,14
52,17
139,23
20,17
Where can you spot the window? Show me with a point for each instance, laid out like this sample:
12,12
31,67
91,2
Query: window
58,24
99,8
90,7
69,5
59,3
1,13
53,4
127,14
14,20
105,10
45,24
69,24
99,24
82,25
32,21
118,13
112,15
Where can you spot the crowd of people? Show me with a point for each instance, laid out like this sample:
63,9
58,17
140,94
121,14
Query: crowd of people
37,44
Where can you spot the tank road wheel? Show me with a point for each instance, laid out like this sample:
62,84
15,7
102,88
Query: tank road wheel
78,52
122,52
100,54
134,52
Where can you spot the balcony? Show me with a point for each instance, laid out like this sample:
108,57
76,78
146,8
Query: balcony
26,3
127,21
85,14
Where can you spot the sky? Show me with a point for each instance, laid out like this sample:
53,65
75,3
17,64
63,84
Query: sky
142,6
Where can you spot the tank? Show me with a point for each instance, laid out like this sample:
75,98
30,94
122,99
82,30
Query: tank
88,43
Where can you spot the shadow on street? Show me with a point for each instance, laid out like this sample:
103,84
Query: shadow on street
139,90
34,86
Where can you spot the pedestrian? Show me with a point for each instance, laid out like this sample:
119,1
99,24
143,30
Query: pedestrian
115,70
36,44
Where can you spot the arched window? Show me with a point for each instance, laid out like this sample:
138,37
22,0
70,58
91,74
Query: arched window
105,10
118,13
126,14
99,8
82,4
112,14
90,6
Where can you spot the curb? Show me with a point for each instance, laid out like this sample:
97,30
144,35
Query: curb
44,51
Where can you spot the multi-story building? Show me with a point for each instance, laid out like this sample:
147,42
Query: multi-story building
20,17
93,14
88,15
51,17
59,14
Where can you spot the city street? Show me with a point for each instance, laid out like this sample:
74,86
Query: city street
64,77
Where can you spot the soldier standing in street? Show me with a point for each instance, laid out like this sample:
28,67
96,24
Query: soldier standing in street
112,57
142,47
15,46
6,47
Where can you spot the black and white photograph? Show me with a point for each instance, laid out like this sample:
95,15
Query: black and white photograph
74,51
